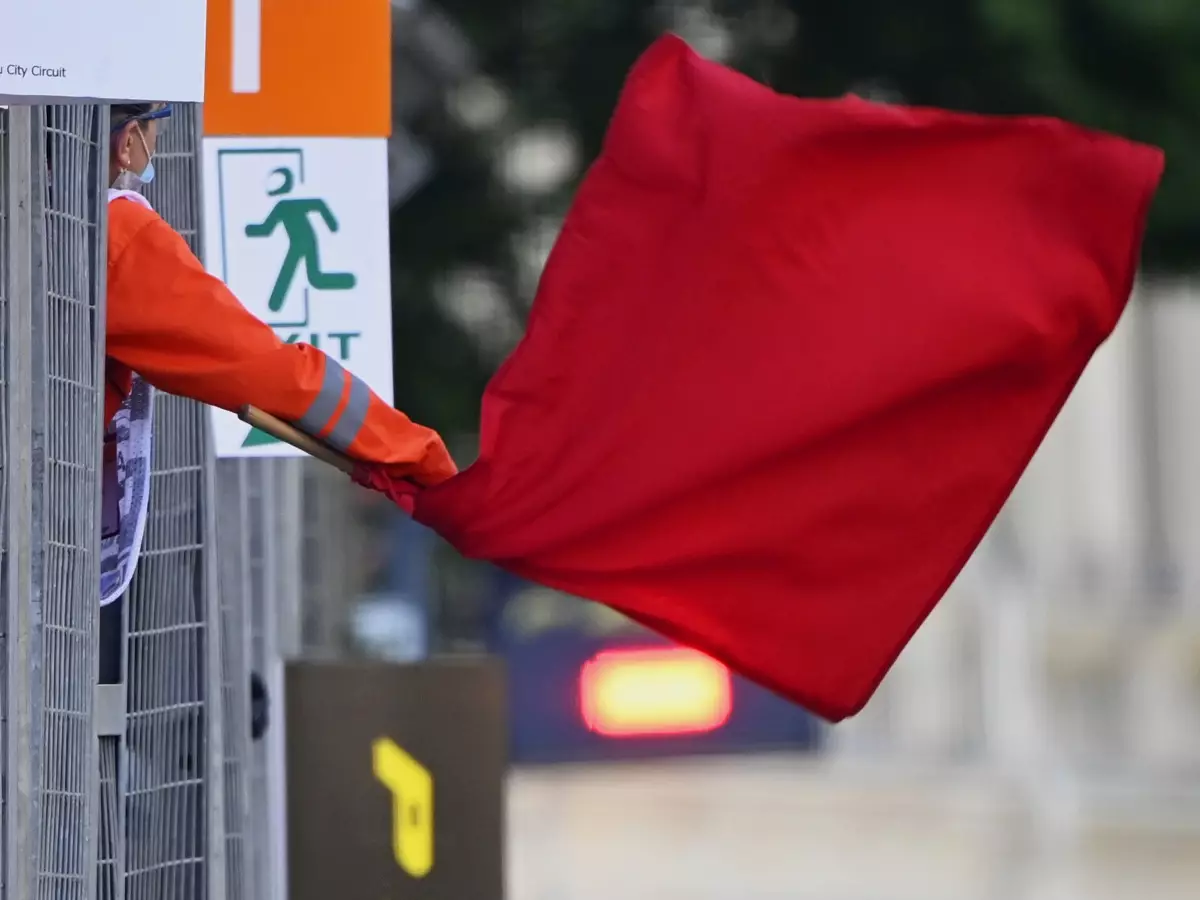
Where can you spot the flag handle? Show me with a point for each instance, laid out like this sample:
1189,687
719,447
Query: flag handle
290,434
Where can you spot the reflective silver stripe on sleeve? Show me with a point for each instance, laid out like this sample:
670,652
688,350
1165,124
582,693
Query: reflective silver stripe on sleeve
351,421
325,404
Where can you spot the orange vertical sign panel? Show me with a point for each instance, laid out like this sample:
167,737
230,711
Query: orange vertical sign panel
300,68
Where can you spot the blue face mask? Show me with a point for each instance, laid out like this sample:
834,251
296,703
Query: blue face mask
147,174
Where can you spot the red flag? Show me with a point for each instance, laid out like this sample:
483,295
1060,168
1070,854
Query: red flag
787,361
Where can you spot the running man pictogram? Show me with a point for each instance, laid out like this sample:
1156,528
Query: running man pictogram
294,214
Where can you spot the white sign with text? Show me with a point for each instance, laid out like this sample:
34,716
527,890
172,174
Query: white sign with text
298,229
135,50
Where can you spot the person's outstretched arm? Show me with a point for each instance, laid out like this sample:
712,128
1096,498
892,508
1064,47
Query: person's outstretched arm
183,331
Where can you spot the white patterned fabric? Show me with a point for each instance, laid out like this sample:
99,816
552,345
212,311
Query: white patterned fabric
128,444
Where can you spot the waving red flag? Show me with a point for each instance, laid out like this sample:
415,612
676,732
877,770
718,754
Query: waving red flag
787,361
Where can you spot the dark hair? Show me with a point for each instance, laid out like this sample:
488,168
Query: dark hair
121,114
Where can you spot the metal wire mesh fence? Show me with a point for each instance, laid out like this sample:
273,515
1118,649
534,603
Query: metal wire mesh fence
175,799
171,767
163,758
287,539
334,541
51,305
74,151
110,832
259,539
234,591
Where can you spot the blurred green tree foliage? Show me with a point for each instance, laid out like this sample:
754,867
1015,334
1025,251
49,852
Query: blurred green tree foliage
1128,66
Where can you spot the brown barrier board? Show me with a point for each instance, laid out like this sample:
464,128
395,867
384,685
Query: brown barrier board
395,780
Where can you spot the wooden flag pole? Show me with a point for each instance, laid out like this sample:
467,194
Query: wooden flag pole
289,434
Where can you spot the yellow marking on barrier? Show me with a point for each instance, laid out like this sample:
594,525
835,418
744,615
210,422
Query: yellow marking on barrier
411,787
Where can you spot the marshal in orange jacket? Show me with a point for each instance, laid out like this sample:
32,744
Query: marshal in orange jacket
184,332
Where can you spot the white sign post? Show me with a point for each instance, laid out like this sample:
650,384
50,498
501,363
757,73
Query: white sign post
297,227
133,50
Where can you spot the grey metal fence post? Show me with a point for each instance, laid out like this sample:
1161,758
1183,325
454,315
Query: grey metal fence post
280,521
6,272
22,273
231,499
100,282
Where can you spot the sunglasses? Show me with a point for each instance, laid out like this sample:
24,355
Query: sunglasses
162,112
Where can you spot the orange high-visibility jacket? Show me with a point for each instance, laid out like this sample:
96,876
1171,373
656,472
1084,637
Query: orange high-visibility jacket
184,332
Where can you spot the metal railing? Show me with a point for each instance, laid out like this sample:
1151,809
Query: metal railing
152,800
52,207
259,539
